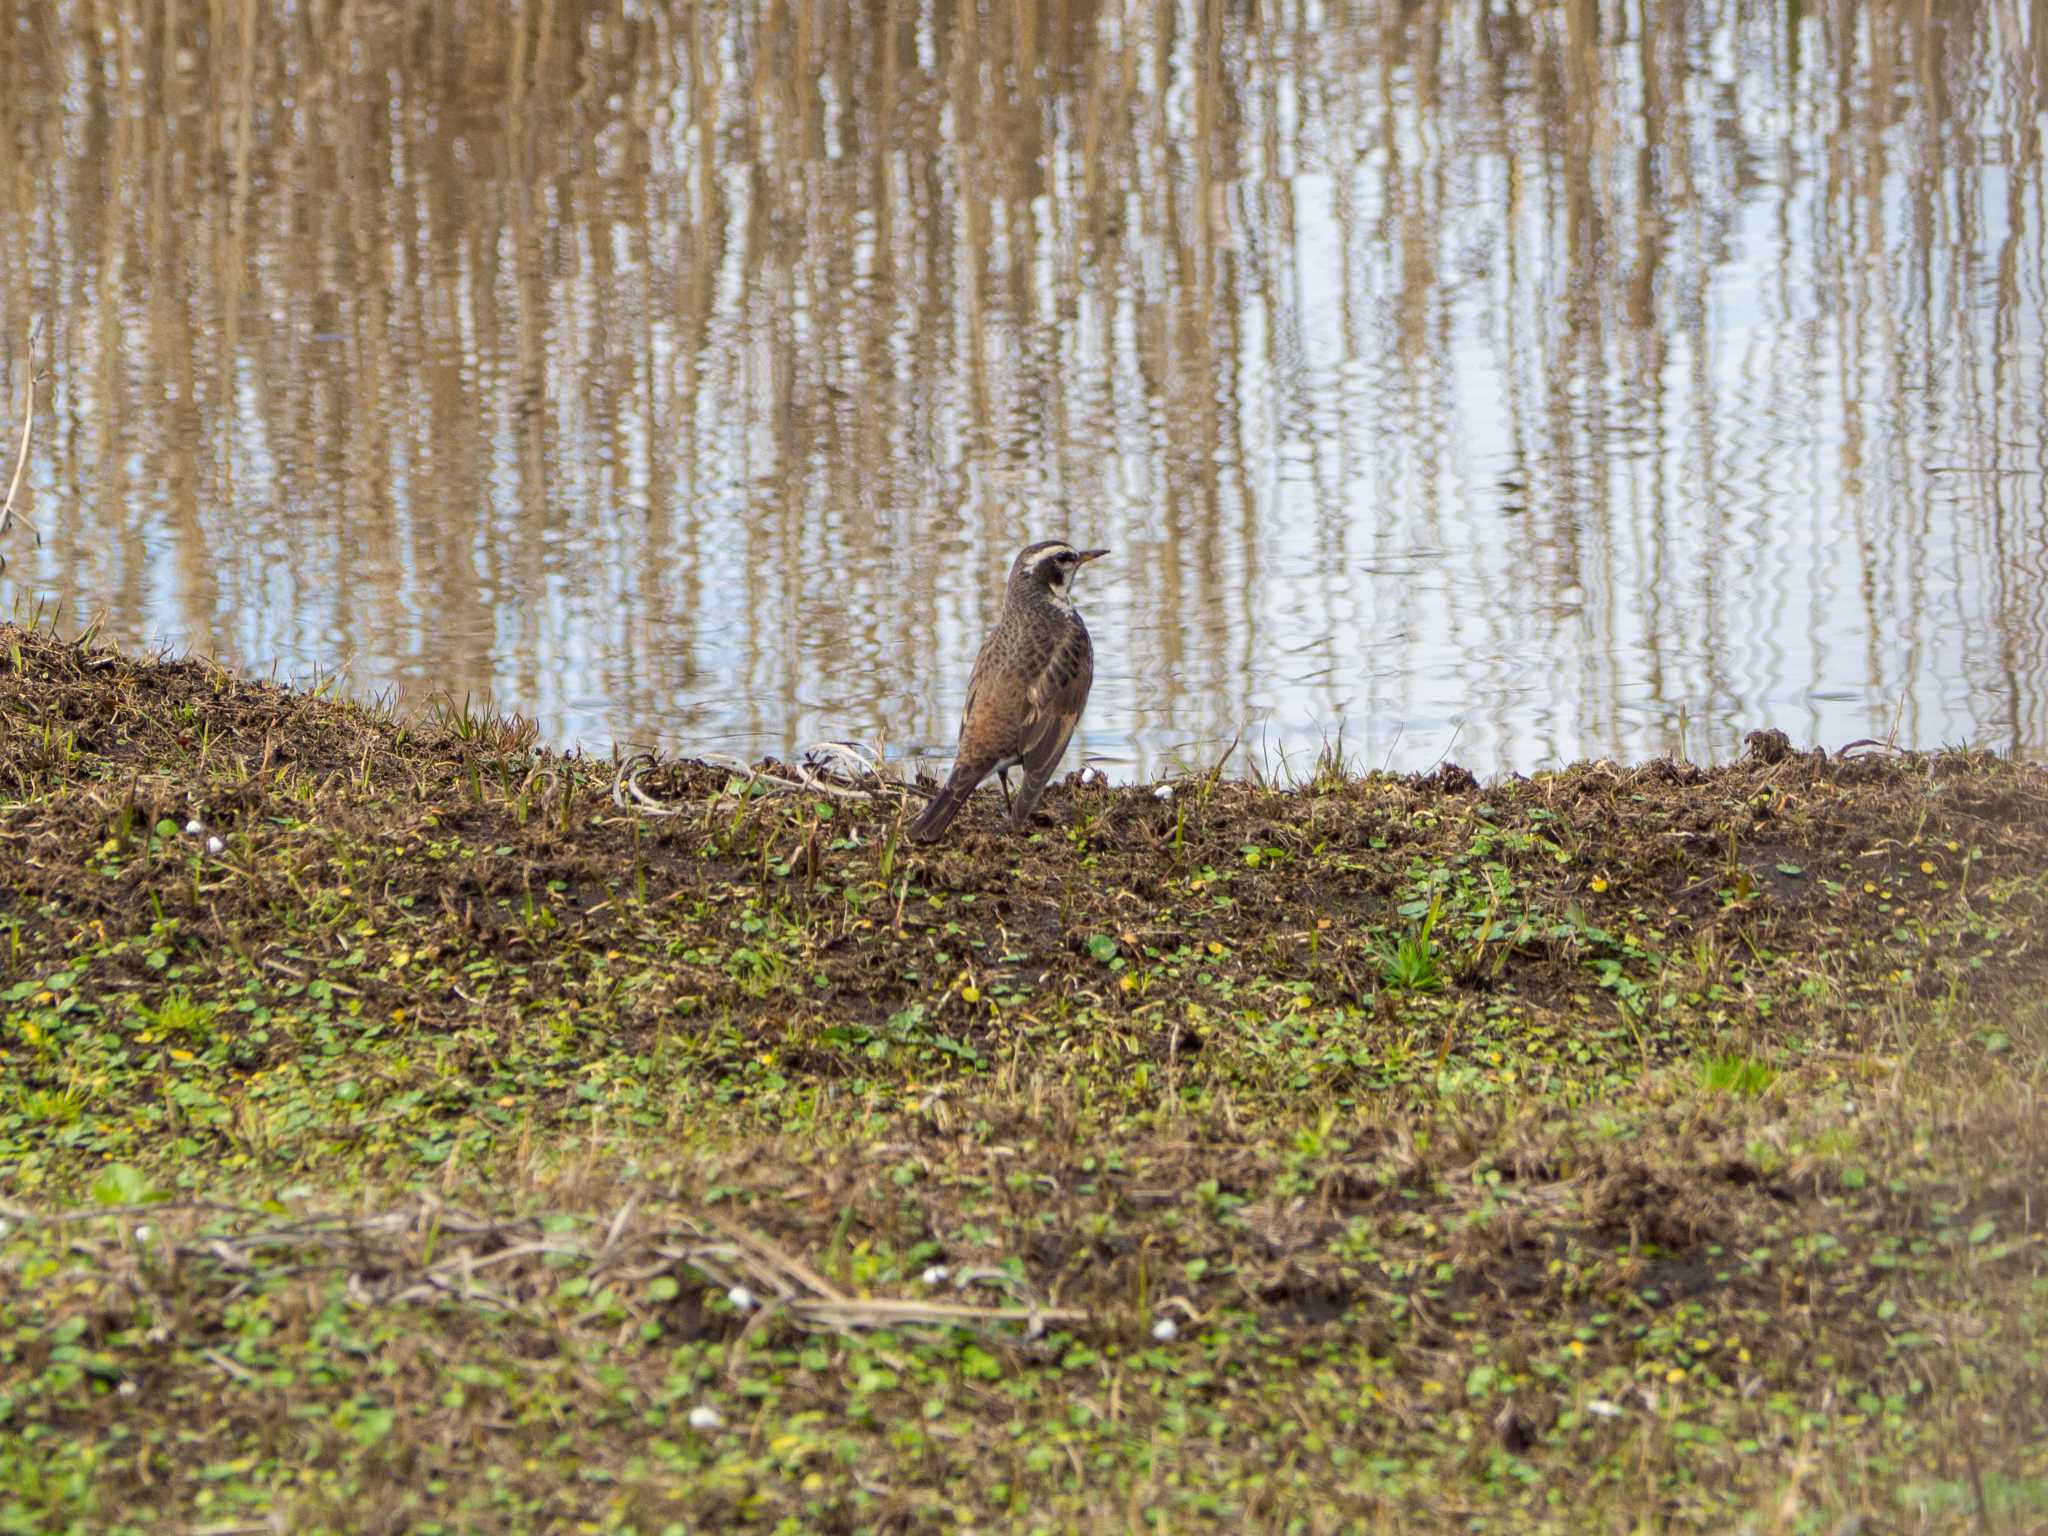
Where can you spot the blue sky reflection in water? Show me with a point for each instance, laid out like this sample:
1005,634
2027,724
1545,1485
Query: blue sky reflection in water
1519,382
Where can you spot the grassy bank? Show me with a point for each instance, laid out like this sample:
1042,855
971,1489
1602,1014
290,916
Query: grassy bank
424,1141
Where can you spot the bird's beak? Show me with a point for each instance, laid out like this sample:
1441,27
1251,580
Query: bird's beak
1092,554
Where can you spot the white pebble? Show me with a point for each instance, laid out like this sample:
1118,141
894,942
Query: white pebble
935,1274
143,1233
1166,1330
128,1389
702,1417
1162,792
742,1298
194,827
216,846
1602,1408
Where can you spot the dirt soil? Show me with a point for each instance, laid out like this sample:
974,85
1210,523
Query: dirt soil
406,1127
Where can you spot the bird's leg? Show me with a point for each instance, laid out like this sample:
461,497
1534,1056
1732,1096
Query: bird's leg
1003,780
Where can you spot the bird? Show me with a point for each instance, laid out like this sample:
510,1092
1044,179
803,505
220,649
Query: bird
1028,688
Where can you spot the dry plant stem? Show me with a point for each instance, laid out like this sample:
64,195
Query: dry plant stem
8,516
836,769
776,1256
383,1252
881,1311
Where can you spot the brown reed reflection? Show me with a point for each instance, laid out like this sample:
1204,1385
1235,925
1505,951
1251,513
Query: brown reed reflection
1522,381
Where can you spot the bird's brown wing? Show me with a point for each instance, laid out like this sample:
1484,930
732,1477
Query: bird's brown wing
984,663
979,751
1054,703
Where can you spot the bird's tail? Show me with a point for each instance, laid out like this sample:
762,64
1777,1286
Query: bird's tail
945,805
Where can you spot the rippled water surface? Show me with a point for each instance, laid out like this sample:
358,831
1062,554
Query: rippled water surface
1520,382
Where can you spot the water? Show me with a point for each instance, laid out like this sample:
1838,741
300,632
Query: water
1514,382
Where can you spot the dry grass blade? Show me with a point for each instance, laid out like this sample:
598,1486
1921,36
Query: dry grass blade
837,770
880,1313
775,1255
386,1257
8,515
626,787
155,1209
